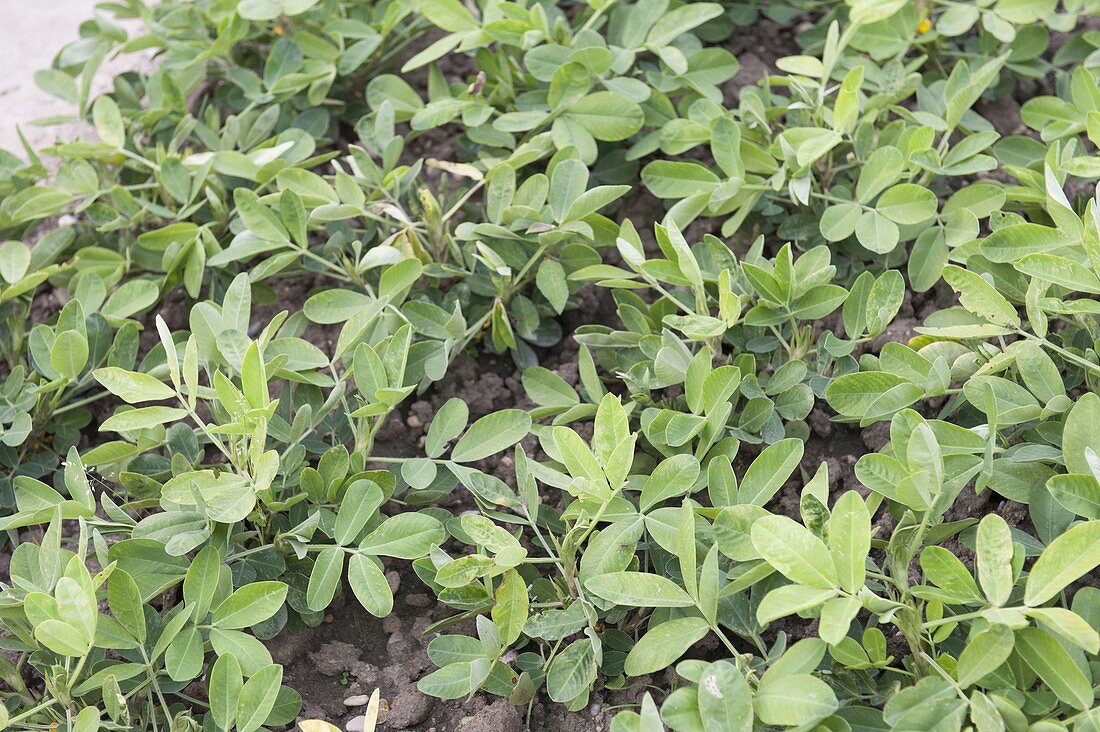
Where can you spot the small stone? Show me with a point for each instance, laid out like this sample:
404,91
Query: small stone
359,700
410,708
418,599
393,579
357,724
413,421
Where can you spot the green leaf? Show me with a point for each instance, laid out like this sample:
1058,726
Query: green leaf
677,22
638,589
671,478
87,720
1065,560
455,680
38,202
360,502
794,551
223,689
258,218
142,418
108,122
328,568
1011,243
272,9
613,548
449,422
790,599
1068,624
725,700
550,279
839,221
572,671
1080,433
547,388
769,471
678,179
994,559
450,15
251,654
62,638
76,603
850,540
336,306
854,395
907,204
200,584
510,609
577,456
257,698
15,260
153,569
1053,664
370,586
131,386
877,233
405,536
795,700
224,497
183,657
1059,271
491,434
124,600
883,168
944,569
69,354
984,654
1078,493
249,605
589,202
568,181
57,83
837,615
663,644
254,378
980,297
607,116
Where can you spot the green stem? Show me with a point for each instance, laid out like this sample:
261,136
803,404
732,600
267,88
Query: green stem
596,16
462,201
76,672
80,403
33,711
953,619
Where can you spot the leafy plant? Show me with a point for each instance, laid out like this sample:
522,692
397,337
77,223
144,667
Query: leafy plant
281,241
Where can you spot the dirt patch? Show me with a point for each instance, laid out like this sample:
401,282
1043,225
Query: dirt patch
29,37
349,655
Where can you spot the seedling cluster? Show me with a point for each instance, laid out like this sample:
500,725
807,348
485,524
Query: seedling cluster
274,243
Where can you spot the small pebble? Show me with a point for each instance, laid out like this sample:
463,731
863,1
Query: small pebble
413,421
359,700
357,724
418,599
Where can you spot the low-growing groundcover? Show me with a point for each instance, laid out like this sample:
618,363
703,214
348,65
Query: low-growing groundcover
801,298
